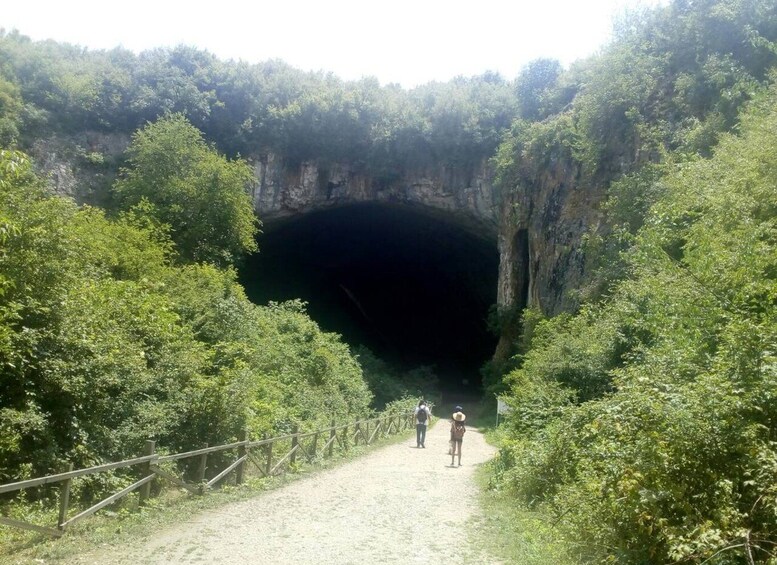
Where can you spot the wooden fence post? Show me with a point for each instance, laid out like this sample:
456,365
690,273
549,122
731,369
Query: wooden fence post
345,438
268,468
241,452
315,446
294,444
64,500
145,469
332,434
201,470
356,433
367,425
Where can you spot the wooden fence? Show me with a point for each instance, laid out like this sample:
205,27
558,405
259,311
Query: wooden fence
264,454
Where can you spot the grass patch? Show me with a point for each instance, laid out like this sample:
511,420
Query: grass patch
124,524
514,534
510,532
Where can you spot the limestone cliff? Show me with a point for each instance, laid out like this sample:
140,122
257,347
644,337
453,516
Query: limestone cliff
537,226
464,197
542,223
81,166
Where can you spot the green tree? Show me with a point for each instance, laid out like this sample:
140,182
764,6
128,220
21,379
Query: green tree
315,376
104,343
92,358
535,87
10,112
200,194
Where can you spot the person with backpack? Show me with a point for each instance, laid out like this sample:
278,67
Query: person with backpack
422,416
457,433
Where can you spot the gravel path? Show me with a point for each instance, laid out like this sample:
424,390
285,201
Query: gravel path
395,504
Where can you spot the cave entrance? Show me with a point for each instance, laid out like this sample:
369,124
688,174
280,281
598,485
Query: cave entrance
412,287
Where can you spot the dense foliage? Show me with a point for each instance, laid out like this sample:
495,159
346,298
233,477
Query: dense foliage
672,79
645,422
187,186
105,342
250,109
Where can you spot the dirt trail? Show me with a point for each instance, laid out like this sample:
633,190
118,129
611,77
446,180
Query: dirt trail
396,504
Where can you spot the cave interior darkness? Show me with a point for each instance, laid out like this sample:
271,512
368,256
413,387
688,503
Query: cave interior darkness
412,287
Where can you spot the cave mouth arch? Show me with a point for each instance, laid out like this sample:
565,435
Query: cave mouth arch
412,286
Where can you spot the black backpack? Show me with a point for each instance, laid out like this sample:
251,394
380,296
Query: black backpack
421,415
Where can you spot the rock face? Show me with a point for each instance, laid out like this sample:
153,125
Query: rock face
82,167
465,198
542,224
538,227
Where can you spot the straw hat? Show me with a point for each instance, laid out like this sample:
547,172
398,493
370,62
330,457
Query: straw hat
459,417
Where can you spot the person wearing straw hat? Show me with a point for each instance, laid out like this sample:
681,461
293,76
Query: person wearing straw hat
457,433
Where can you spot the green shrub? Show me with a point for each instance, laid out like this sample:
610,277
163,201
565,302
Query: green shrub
645,422
105,343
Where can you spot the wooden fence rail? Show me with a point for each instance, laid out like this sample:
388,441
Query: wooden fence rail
266,458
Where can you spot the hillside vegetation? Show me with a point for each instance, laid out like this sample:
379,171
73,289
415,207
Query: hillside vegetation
108,338
46,88
644,423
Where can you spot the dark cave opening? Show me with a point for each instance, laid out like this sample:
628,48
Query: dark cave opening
521,261
413,288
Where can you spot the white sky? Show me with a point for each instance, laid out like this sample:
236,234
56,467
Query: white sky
405,41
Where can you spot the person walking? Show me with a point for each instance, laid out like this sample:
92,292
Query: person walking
422,417
457,433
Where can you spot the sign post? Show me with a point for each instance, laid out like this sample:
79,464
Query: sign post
501,409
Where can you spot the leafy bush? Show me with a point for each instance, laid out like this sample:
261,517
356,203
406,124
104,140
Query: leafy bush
315,376
184,184
389,383
106,343
645,422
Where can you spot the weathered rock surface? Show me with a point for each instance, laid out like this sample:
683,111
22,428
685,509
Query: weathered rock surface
466,198
82,167
538,227
542,223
